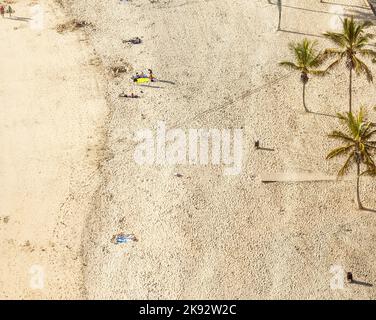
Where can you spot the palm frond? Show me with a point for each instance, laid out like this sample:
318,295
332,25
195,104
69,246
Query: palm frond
338,39
319,73
341,136
367,53
352,41
333,52
371,170
353,125
360,118
357,141
341,116
333,64
368,159
361,67
289,65
345,168
369,135
366,24
306,58
339,151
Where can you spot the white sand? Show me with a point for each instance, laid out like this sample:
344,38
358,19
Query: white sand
52,114
204,235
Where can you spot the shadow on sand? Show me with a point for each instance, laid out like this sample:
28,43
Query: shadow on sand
302,33
166,81
323,114
149,86
368,209
265,149
361,283
344,5
358,12
18,18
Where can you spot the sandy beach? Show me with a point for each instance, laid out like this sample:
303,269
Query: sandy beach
51,132
72,183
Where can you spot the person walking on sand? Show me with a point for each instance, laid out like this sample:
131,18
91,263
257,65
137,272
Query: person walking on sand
151,76
2,10
10,11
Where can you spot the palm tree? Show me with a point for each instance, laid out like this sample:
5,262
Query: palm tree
358,148
307,60
351,42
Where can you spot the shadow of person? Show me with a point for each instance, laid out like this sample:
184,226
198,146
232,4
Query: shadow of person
361,283
166,81
149,86
18,18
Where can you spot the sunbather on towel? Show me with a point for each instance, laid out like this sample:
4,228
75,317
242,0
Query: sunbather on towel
132,95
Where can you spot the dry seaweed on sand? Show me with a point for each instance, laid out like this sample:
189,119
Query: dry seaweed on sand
116,70
72,25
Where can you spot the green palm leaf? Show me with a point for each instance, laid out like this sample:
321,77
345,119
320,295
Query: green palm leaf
357,136
306,57
339,151
346,166
341,136
350,43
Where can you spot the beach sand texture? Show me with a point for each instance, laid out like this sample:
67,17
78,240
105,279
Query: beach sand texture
51,130
203,235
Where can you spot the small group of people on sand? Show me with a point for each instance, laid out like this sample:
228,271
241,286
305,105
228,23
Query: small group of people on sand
137,76
9,10
144,75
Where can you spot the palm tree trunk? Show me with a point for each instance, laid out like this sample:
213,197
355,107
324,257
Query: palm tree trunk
350,91
279,4
358,185
304,102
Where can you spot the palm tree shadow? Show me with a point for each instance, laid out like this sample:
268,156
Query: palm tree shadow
344,5
368,209
302,33
279,5
323,114
356,11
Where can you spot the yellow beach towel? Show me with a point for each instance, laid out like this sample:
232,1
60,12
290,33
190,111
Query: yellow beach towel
142,80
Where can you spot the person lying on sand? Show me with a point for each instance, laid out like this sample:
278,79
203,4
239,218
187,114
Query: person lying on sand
135,77
123,238
135,40
124,95
142,75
